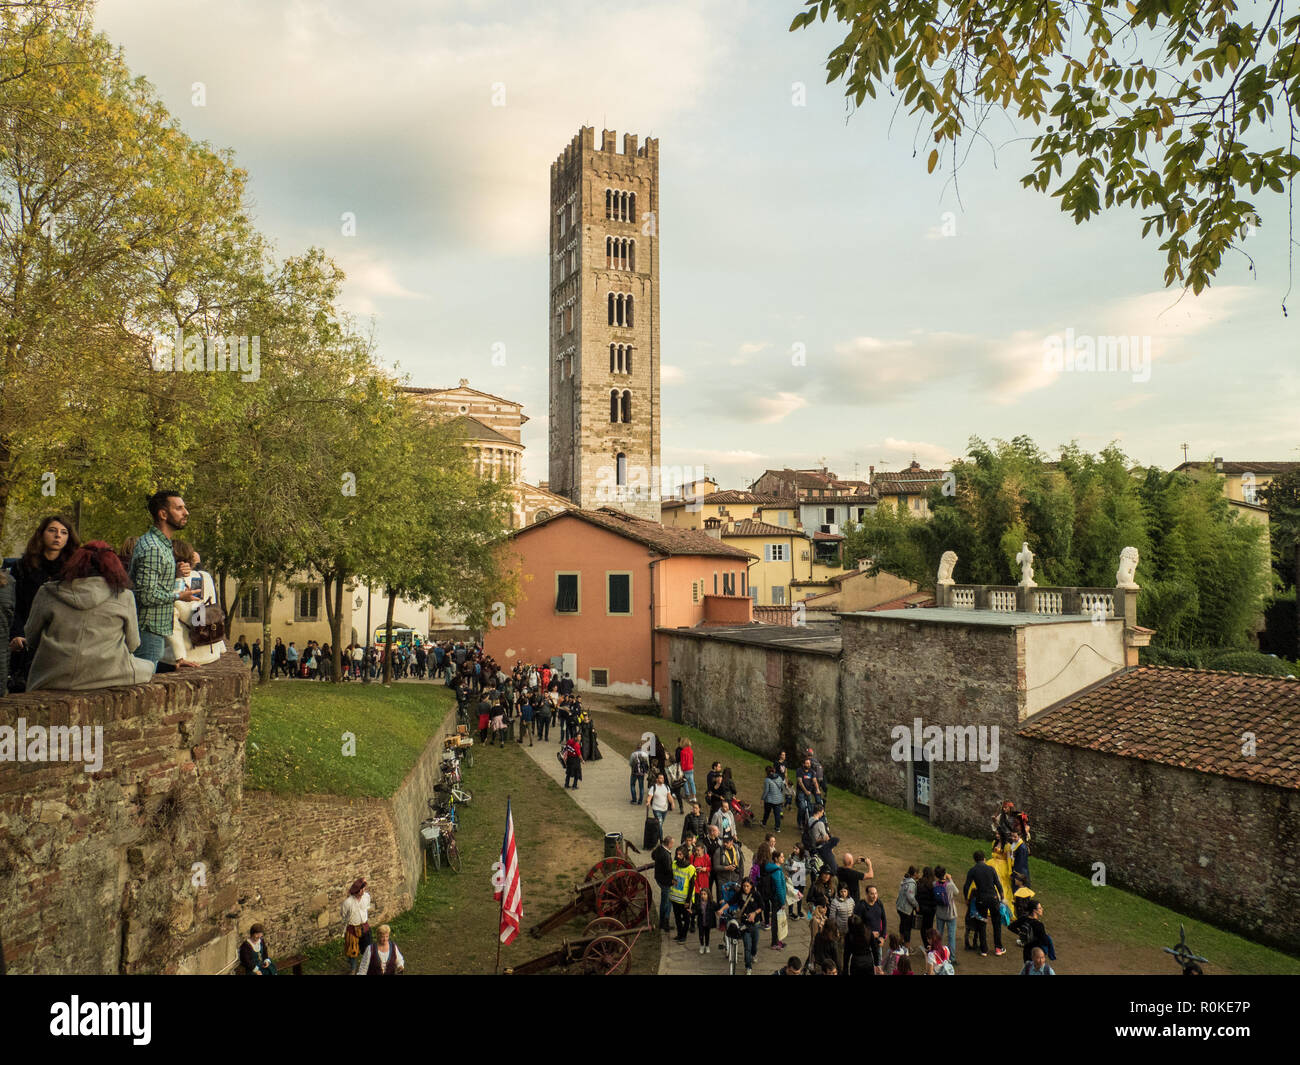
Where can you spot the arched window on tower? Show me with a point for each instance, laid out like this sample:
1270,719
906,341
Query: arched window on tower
627,359
611,308
618,309
627,406
633,206
611,359
626,213
609,203
613,405
627,313
609,251
620,470
631,254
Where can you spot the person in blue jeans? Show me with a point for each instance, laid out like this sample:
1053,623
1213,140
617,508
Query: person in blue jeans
662,856
639,765
747,908
945,909
659,799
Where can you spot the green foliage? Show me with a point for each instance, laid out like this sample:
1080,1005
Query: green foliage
1280,636
1251,662
1202,575
1172,109
1170,656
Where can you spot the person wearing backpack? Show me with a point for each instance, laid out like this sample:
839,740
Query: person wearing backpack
639,765
945,908
938,958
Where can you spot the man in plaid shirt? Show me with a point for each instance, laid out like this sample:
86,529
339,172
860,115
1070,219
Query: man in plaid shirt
153,572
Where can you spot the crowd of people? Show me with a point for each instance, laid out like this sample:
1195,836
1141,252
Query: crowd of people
417,660
707,883
88,615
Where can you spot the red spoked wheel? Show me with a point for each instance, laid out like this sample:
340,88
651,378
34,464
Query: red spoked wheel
626,896
607,866
606,956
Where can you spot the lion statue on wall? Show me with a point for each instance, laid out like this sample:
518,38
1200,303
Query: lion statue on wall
947,563
1128,564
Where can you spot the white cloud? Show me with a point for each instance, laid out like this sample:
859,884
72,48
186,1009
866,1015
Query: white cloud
768,410
670,375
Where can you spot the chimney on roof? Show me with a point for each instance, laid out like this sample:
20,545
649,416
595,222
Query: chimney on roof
871,474
915,465
1218,463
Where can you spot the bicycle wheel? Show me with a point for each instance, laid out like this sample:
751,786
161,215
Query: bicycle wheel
463,795
732,950
453,855
435,854
469,756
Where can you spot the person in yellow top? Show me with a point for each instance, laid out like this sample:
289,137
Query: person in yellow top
1000,862
682,892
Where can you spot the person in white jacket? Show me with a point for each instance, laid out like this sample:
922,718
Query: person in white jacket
181,650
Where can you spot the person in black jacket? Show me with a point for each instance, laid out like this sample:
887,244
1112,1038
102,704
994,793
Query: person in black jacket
983,880
254,955
1031,933
49,548
694,823
662,856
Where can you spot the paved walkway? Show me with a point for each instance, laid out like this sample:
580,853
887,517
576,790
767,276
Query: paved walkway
604,796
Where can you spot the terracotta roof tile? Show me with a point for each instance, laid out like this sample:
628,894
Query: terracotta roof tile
1190,718
1267,467
665,540
749,527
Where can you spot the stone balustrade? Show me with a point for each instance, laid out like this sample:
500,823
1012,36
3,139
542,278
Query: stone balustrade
1000,598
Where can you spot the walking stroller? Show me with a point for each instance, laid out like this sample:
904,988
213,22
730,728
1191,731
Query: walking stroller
743,812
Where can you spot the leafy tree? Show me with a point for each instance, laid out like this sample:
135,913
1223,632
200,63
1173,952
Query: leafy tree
107,212
1282,497
1174,108
1203,578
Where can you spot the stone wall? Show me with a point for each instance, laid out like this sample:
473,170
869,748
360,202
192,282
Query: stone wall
301,852
1222,849
131,868
893,672
760,698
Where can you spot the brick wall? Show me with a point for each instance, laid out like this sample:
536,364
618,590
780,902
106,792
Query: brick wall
301,852
98,870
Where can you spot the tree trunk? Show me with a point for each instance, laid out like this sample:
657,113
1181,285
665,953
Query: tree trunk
388,646
267,585
334,614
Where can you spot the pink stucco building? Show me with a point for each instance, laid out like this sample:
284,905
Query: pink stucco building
597,584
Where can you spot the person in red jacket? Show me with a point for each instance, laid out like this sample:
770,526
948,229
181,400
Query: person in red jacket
686,759
572,762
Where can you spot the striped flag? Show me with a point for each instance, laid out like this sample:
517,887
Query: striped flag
511,891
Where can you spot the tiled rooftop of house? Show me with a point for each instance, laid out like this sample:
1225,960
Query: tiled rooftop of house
664,539
1191,718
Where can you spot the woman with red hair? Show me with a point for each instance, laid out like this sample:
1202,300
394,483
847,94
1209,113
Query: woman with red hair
82,627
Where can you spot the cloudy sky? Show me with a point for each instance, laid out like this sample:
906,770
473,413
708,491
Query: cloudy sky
823,299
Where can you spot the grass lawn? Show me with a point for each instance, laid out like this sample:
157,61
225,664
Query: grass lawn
452,928
297,727
1095,929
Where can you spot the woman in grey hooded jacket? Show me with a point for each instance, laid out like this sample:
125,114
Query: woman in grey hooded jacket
82,628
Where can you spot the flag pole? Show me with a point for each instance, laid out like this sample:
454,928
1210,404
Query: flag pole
501,914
